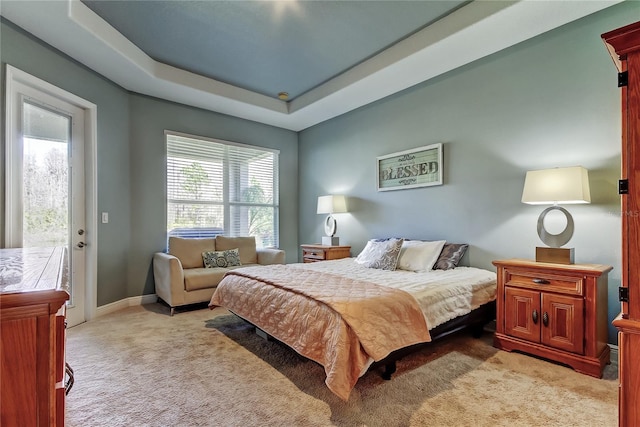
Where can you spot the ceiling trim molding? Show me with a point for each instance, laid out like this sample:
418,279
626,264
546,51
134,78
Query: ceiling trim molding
488,26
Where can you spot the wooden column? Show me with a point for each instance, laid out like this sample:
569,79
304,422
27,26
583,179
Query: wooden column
624,46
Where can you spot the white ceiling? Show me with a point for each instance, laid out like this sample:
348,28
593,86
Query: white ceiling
368,66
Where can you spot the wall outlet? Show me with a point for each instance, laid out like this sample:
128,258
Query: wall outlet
105,217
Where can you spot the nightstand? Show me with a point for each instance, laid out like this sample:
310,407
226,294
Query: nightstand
554,311
315,253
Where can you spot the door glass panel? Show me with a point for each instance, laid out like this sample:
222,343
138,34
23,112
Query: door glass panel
45,177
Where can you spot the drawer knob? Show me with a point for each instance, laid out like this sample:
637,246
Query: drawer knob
534,316
545,319
541,281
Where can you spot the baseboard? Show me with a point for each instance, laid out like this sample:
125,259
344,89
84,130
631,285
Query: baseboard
124,303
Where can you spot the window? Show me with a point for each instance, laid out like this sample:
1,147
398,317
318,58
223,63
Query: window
219,187
45,176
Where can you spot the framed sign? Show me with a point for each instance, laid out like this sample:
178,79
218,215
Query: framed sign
418,167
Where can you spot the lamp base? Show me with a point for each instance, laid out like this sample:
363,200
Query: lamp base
554,255
330,241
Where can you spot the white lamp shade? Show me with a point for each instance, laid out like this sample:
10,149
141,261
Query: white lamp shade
332,204
557,186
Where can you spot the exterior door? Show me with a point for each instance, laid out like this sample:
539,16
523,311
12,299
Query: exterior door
45,182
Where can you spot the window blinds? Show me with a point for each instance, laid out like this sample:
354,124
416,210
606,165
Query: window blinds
219,187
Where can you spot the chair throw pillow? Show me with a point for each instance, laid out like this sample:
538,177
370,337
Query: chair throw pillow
382,255
223,259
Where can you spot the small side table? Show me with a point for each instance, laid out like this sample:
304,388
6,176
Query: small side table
555,311
315,253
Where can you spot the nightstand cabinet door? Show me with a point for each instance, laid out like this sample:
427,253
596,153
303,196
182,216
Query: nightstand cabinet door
564,328
522,314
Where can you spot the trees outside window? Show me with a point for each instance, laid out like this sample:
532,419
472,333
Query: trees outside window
45,193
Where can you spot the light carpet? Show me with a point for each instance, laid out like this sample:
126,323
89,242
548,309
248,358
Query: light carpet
141,367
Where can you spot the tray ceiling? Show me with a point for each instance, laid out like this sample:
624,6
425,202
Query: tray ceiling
331,57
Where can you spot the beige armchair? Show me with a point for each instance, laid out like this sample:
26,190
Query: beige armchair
181,277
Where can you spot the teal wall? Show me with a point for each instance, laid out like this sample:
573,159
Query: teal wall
131,162
550,101
29,54
148,179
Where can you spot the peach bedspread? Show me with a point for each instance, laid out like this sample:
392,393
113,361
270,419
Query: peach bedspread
339,322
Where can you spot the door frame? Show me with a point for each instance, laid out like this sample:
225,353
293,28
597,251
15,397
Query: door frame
14,75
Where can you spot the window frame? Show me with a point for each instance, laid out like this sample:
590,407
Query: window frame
226,203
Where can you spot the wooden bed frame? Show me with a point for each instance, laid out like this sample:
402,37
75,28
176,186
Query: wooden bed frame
474,321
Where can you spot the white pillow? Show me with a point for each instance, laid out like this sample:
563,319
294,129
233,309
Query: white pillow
380,254
417,255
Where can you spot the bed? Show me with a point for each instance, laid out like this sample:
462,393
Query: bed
348,316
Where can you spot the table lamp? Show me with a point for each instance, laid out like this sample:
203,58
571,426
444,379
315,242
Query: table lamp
330,205
556,186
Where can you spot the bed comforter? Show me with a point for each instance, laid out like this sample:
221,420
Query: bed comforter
342,320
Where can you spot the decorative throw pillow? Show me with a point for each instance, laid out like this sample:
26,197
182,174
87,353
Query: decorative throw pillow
417,255
380,254
450,256
228,258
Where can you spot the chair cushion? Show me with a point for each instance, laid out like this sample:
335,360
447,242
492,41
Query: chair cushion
203,278
189,251
245,245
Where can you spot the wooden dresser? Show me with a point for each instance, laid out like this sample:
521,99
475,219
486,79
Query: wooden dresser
555,311
32,336
315,253
624,46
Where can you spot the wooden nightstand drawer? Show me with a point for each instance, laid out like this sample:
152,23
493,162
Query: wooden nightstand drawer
315,253
543,281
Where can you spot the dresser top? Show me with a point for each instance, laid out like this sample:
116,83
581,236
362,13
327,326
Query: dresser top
320,246
582,268
33,269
